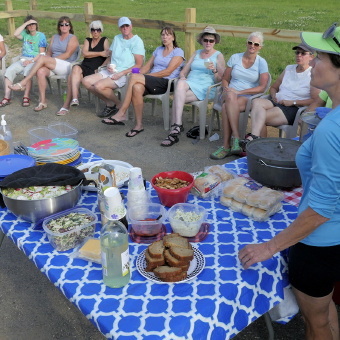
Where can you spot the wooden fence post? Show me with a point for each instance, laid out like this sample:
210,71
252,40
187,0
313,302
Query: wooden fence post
190,17
33,5
88,10
8,8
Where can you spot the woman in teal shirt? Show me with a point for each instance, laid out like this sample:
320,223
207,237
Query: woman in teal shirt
314,237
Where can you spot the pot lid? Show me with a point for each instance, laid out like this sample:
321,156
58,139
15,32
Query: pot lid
274,149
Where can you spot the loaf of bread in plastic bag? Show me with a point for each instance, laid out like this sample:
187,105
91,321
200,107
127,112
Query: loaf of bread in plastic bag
220,172
232,185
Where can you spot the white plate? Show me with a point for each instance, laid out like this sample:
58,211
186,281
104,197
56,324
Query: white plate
196,267
121,167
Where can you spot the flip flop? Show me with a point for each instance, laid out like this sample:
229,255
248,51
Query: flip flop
7,102
136,132
75,102
21,88
40,107
25,102
112,121
62,112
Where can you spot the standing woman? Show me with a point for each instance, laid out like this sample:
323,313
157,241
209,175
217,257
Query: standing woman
62,51
166,63
314,237
204,68
246,74
34,43
95,51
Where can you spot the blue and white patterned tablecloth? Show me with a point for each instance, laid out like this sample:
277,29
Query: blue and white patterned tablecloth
218,304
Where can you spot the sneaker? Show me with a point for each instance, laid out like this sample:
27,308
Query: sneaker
220,153
235,147
108,111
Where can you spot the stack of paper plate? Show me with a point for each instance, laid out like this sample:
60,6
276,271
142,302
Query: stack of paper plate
56,150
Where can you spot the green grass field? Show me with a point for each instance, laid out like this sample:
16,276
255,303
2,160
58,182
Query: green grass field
304,15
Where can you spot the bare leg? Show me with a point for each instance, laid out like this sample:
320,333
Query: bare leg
7,89
104,90
226,128
320,316
28,89
41,77
69,93
136,79
43,61
76,78
259,114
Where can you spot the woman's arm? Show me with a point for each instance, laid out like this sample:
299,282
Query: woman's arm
257,89
17,32
49,50
148,66
308,221
220,67
314,93
90,54
139,63
174,63
186,69
71,47
2,49
274,89
226,78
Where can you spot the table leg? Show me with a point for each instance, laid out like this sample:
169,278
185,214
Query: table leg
269,325
2,235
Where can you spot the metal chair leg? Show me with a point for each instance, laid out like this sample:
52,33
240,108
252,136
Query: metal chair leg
269,325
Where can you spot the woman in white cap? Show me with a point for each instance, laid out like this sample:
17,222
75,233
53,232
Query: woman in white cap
95,51
204,68
288,93
314,237
246,75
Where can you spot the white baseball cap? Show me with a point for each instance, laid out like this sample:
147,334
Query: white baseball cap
124,21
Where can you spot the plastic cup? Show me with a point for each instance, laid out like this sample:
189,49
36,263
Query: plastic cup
113,66
135,70
136,179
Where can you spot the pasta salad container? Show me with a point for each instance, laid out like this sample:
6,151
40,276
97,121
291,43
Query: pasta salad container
68,229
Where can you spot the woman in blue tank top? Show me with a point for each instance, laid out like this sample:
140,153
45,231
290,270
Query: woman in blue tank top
62,51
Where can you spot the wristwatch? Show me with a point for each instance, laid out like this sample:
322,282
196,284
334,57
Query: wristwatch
294,103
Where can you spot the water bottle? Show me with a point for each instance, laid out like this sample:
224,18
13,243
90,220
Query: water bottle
64,96
6,134
115,254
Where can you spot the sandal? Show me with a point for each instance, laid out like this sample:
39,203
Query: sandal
25,101
136,132
5,102
75,102
40,107
21,88
243,142
177,128
220,153
173,139
62,112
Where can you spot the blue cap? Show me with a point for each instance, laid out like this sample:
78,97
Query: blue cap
124,21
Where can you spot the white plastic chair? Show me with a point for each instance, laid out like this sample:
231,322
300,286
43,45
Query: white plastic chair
243,119
202,106
165,98
3,66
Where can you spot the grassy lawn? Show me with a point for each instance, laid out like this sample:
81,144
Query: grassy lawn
311,15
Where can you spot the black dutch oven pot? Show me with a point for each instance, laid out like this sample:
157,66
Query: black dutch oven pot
271,162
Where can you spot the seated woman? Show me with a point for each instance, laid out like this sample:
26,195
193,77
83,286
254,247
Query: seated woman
62,51
290,91
246,74
165,63
2,49
206,67
34,43
95,51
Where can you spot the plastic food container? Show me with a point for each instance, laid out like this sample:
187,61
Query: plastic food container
183,227
146,219
41,133
63,241
169,197
64,130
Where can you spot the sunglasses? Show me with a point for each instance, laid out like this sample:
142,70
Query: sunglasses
96,30
250,43
125,25
64,24
329,33
302,53
211,41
